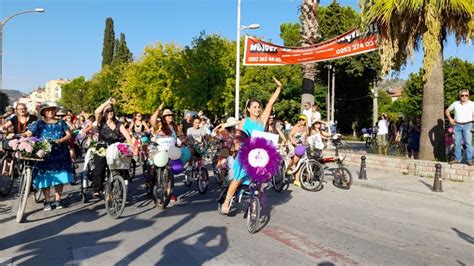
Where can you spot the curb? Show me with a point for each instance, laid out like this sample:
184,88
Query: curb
407,192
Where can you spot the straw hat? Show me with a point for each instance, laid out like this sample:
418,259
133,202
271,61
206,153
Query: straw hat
48,104
167,112
231,122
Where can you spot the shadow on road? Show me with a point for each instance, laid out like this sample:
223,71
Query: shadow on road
464,236
197,248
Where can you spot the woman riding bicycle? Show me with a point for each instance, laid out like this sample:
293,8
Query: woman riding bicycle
20,121
110,131
315,140
196,140
56,169
168,130
137,128
296,138
255,120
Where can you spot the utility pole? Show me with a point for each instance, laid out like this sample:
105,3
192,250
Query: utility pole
328,101
375,108
333,94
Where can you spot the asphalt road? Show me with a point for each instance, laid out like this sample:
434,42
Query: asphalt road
330,227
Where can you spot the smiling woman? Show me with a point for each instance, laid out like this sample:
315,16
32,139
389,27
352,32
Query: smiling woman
20,121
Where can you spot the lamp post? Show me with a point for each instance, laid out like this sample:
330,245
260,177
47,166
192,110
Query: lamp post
237,58
328,97
2,23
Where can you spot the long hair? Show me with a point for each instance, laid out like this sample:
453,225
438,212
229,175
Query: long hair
166,128
104,115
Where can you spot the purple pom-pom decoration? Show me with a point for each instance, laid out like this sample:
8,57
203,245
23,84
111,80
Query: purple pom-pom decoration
259,158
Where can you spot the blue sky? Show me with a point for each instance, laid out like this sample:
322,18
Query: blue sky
66,40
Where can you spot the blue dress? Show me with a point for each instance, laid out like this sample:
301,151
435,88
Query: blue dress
248,127
56,169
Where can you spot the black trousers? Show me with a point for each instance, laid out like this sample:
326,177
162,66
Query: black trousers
100,164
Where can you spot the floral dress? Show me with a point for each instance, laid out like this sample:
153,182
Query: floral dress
56,169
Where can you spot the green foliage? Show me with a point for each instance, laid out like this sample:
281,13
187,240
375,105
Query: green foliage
151,80
74,93
457,76
204,75
4,101
109,41
290,34
121,52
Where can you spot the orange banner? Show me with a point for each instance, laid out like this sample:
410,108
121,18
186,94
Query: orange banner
260,53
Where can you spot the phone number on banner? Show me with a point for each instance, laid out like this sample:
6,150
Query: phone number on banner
263,59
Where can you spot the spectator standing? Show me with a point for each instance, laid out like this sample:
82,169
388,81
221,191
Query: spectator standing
315,114
462,122
414,139
382,133
308,113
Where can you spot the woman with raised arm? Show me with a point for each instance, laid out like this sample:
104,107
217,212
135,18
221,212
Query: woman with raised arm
255,120
110,131
155,121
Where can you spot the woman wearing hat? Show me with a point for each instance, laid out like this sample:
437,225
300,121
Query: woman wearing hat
255,120
56,169
20,121
296,137
168,129
315,140
110,131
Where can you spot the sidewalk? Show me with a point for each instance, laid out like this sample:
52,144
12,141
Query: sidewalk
460,192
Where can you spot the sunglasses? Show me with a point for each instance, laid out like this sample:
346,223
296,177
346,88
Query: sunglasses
464,95
301,119
21,109
109,111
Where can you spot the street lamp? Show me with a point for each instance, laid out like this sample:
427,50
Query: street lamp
237,58
2,23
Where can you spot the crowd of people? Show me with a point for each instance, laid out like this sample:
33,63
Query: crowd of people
63,127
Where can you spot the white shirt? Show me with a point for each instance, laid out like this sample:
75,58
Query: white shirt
315,116
463,113
309,114
382,127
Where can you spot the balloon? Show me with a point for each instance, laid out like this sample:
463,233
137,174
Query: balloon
174,153
185,154
299,150
176,166
160,159
144,139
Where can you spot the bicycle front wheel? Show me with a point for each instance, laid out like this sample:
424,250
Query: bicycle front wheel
25,186
7,175
253,215
279,178
342,178
163,189
115,195
312,176
203,180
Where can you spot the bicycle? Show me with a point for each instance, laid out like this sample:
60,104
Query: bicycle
252,212
342,176
198,171
26,181
161,175
311,175
9,167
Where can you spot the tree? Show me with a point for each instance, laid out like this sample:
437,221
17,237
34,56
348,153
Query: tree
73,95
457,76
4,101
405,25
354,75
151,80
309,36
207,75
109,41
121,52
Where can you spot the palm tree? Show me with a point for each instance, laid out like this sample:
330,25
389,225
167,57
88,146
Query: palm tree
309,36
404,26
